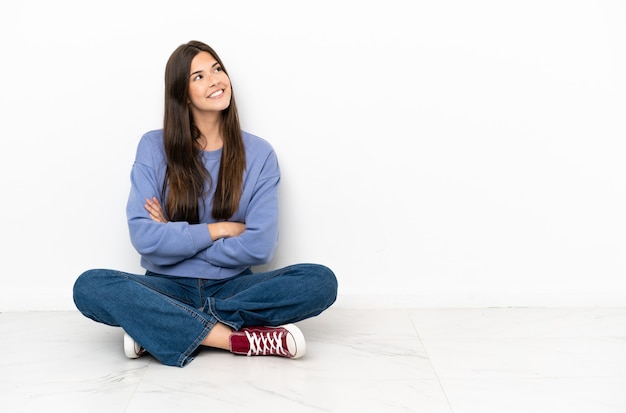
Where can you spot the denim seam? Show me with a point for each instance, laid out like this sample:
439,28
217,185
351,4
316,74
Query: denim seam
213,311
185,356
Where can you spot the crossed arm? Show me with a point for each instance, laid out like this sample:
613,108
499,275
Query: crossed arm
217,230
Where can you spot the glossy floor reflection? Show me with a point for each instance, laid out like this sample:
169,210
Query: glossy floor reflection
502,360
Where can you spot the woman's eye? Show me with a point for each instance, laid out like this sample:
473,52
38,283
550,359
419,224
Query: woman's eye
198,77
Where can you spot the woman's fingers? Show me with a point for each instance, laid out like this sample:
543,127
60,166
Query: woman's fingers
154,209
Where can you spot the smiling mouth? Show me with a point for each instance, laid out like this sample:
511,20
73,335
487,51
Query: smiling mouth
216,93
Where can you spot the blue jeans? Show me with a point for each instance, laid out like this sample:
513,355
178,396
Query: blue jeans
170,316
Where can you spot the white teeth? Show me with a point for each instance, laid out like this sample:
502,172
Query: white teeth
216,93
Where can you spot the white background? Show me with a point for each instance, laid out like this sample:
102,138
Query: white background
448,153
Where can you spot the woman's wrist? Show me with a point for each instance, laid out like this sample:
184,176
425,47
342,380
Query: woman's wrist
215,231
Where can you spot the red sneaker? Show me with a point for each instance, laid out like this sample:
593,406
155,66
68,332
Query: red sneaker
285,341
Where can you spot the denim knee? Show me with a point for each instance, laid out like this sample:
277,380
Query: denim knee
81,288
87,290
327,283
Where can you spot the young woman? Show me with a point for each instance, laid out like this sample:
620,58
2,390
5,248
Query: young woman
203,210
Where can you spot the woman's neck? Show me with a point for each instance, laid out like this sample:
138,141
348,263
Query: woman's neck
210,142
210,135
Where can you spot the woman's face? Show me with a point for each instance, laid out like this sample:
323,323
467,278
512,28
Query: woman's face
209,86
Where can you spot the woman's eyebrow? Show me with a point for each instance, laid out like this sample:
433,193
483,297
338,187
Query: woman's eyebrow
202,70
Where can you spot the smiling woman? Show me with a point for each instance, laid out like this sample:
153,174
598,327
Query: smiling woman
209,94
203,210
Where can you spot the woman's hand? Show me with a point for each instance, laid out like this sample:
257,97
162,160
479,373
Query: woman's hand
225,229
154,209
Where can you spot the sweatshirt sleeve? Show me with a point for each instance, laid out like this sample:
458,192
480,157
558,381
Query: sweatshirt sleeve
161,243
259,203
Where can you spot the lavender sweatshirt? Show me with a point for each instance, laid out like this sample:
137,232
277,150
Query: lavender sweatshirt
186,250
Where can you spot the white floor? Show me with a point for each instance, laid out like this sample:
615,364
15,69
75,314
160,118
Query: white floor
501,360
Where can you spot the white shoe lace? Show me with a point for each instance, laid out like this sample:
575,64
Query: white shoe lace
270,342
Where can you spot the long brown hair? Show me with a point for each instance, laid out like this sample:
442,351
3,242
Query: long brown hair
186,176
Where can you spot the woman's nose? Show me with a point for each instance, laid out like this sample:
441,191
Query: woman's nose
212,78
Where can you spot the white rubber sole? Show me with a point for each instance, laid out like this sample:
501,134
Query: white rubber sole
295,343
132,349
